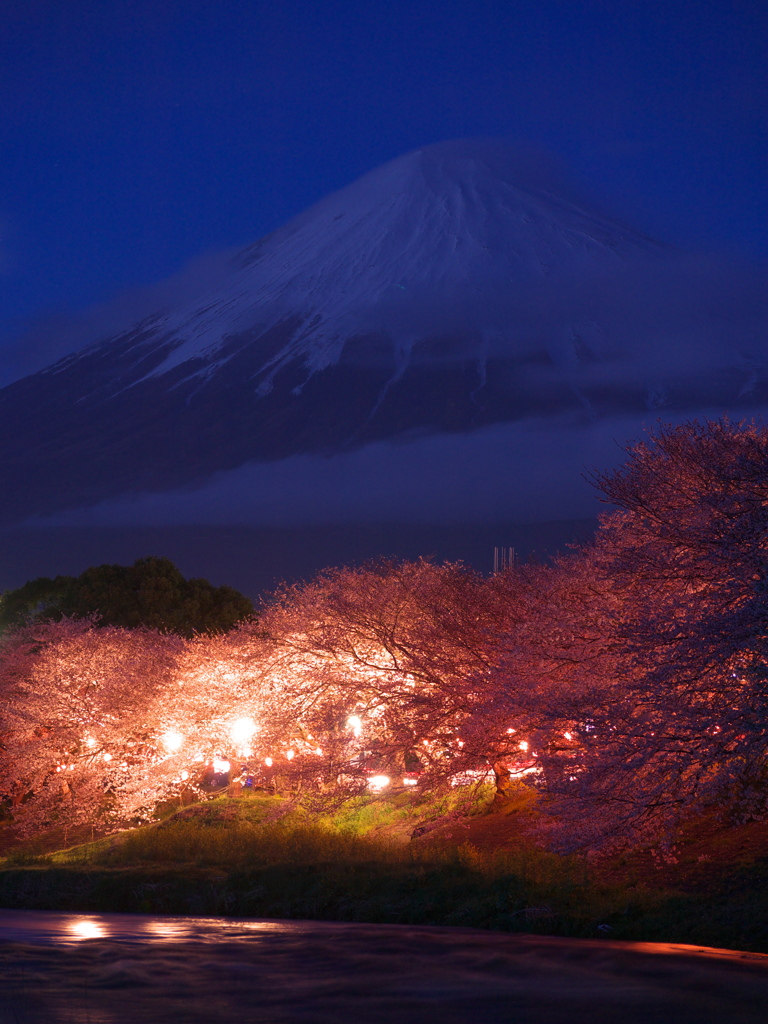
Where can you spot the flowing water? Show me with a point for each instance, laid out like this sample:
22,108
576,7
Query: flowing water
118,969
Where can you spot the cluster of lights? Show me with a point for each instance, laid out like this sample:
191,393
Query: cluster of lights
242,731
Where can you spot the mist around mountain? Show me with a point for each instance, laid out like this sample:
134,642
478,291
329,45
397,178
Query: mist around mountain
452,338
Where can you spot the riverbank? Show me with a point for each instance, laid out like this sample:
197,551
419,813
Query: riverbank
258,858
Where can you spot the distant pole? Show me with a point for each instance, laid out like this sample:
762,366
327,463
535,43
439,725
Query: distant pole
503,558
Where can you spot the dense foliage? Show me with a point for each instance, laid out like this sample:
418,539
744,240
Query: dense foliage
679,702
150,593
626,680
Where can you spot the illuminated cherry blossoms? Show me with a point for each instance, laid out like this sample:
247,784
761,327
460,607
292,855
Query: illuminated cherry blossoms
363,679
626,680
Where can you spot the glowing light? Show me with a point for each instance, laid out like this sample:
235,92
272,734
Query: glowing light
511,732
85,929
184,776
268,762
523,744
355,723
378,782
172,741
568,735
410,782
107,757
319,751
242,730
290,754
246,751
90,741
220,766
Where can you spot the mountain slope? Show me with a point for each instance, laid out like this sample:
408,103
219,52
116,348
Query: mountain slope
451,289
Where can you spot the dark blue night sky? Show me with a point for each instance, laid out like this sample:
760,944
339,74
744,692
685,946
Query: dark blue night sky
140,135
137,135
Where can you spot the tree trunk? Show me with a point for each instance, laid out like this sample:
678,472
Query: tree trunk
504,786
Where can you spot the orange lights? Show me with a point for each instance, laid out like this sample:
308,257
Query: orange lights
172,740
242,731
378,782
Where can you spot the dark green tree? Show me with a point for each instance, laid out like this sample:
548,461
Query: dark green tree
151,592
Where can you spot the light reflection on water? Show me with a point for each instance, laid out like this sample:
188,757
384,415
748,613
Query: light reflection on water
165,928
131,969
42,926
85,928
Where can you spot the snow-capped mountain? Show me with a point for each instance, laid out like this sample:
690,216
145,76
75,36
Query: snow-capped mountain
449,290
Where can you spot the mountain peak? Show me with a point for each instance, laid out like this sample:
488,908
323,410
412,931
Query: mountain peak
404,249
455,288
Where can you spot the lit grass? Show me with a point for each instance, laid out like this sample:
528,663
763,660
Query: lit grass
264,830
288,841
402,812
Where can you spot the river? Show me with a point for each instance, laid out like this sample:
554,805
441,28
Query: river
120,969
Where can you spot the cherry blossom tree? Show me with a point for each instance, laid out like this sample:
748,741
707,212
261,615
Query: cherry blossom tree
684,566
80,723
393,667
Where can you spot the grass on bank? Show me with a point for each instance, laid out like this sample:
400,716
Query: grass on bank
266,857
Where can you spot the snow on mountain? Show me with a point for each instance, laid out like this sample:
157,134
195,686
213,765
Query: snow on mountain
440,238
454,288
